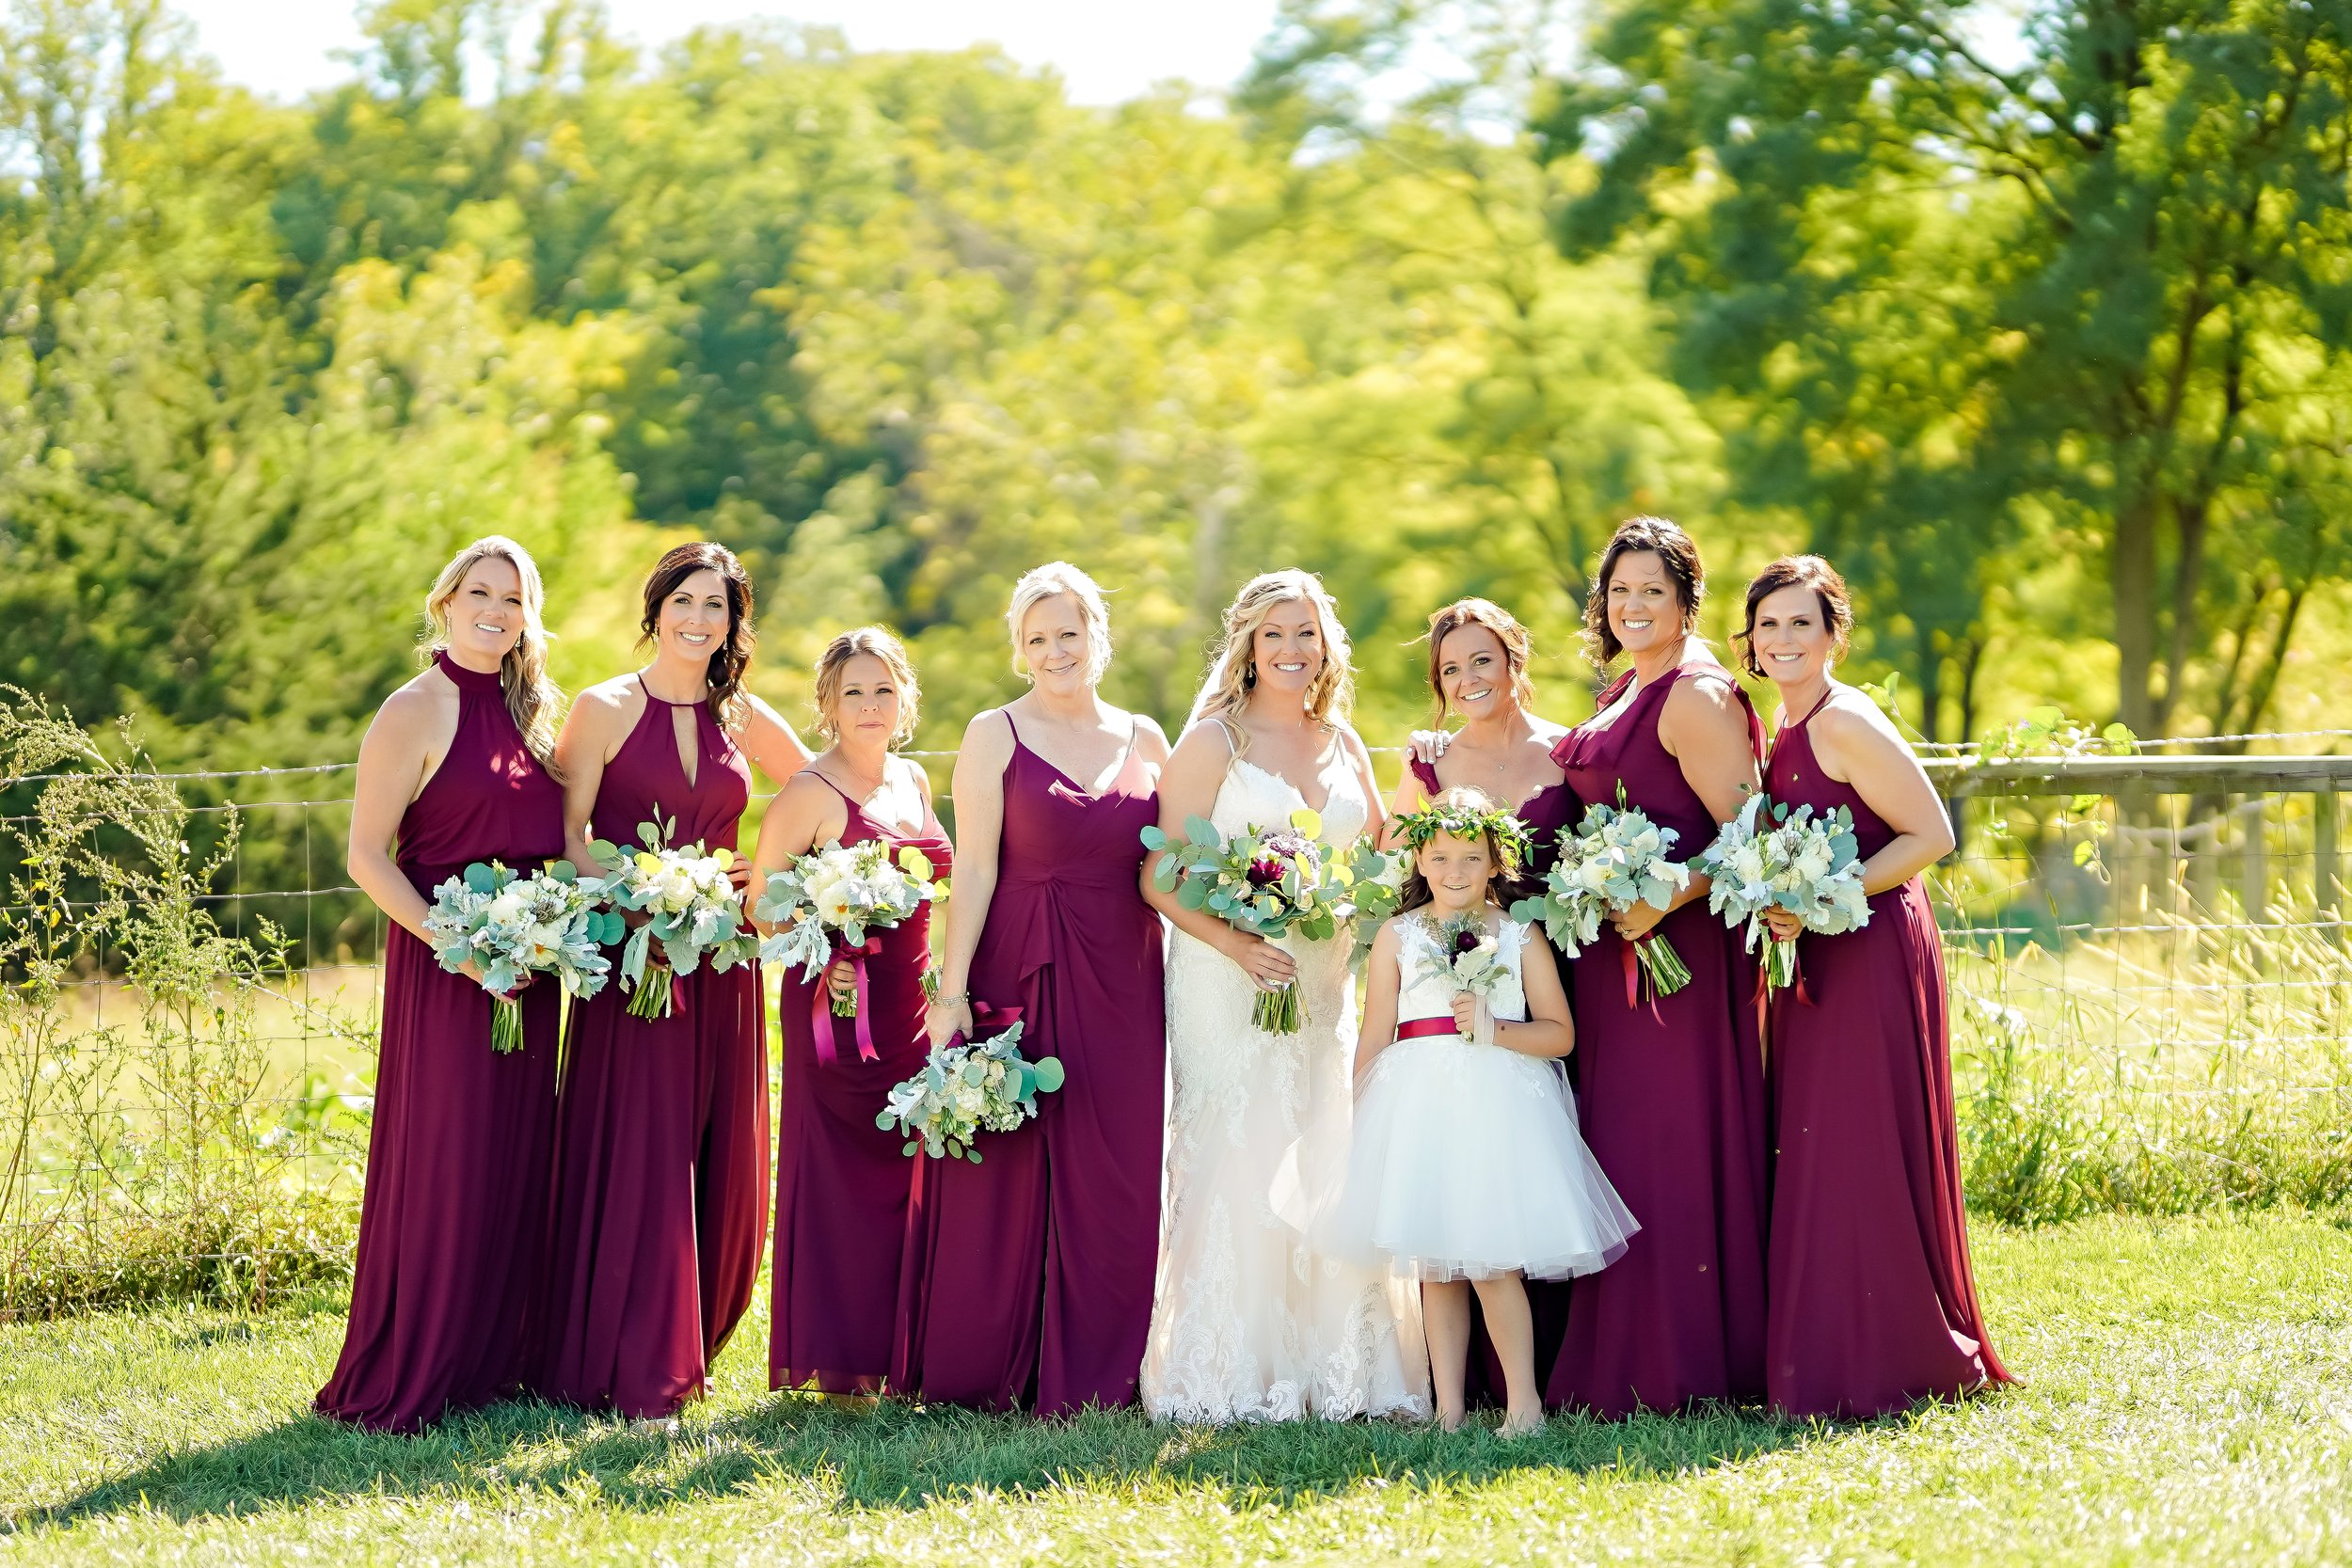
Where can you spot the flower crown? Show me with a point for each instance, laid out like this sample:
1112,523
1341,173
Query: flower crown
1510,835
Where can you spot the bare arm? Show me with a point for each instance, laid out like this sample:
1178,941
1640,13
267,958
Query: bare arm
1704,728
1409,796
774,746
979,795
1188,787
396,757
1378,1028
1873,759
1549,1030
592,732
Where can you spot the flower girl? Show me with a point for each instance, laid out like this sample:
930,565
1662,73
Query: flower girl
1463,1168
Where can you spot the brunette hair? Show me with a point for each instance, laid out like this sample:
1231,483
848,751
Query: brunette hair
1502,883
532,698
1665,540
729,704
838,654
1797,571
1480,612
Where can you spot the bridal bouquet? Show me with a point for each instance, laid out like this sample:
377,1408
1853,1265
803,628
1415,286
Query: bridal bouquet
968,1089
1376,879
1467,957
690,907
829,904
1616,859
1774,856
1268,883
515,927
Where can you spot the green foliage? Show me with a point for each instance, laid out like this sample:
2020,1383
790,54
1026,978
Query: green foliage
1980,319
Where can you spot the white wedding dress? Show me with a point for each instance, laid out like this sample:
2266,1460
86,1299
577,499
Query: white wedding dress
1246,1323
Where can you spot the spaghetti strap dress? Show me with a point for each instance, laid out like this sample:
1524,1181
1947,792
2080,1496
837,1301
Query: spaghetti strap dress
842,1185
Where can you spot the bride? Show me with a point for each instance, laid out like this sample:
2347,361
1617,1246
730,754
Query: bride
1246,1323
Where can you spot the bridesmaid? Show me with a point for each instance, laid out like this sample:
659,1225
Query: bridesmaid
1672,1088
841,1184
453,769
1873,1304
661,1148
1478,657
1029,1276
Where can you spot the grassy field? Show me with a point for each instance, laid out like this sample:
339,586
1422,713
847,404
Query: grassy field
2188,1398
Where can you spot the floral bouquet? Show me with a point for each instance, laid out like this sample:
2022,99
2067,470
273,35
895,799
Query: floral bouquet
829,904
970,1089
1774,856
1377,886
1467,957
515,927
690,907
1267,883
1616,859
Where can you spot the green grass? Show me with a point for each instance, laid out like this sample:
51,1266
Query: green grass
2188,1399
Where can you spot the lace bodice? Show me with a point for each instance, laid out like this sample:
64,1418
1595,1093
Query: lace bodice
1423,991
1249,1322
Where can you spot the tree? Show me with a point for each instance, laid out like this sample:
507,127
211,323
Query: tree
2132,237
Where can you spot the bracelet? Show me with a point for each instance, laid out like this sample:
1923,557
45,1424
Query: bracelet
952,1000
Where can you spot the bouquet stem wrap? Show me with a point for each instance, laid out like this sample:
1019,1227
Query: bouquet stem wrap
824,1007
1653,957
658,994
1779,970
506,1025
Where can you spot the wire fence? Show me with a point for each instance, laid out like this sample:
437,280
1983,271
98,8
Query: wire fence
2150,994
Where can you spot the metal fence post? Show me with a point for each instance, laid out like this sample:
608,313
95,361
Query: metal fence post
2256,896
2326,895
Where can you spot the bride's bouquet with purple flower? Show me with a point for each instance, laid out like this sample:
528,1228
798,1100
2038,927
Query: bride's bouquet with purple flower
1268,883
1614,858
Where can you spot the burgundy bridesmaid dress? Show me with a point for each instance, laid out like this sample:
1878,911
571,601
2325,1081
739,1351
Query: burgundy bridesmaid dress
1029,1276
1672,1093
661,1143
841,1183
1545,812
1873,1304
454,1217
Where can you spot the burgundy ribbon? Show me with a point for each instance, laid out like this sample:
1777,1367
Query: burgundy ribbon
1422,1028
1764,985
820,1015
1631,958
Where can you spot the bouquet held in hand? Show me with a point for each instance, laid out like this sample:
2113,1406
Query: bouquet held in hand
1467,957
968,1089
830,904
515,927
1776,856
690,908
1614,858
1267,883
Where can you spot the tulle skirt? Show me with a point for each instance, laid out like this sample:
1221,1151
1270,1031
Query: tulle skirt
1457,1161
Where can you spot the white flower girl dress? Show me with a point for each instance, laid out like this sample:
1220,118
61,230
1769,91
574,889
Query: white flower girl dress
1463,1161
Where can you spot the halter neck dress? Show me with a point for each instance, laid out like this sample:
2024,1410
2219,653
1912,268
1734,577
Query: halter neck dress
661,1165
454,1220
1873,1302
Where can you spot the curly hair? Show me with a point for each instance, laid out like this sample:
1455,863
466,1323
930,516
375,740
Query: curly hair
729,704
1634,536
1233,672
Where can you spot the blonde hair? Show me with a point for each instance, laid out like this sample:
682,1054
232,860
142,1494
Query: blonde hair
532,699
1235,671
1040,583
1507,631
838,654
